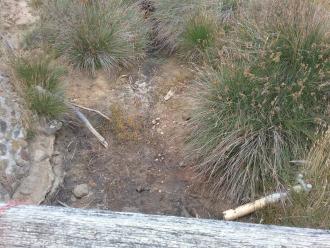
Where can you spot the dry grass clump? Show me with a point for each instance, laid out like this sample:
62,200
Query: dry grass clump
264,107
41,84
94,35
191,27
126,127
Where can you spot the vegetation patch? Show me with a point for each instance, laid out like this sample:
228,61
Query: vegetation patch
265,106
41,83
310,209
94,35
191,27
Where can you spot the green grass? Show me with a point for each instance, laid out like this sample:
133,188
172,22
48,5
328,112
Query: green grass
190,26
265,106
200,37
96,35
41,83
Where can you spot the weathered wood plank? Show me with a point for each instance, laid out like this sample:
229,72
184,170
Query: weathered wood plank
42,226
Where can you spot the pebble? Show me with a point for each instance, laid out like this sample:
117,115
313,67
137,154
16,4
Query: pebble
141,189
81,190
53,127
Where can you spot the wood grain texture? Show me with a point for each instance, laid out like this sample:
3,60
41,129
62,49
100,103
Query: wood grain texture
43,226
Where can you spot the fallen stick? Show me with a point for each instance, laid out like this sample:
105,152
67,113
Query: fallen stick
83,118
91,110
233,214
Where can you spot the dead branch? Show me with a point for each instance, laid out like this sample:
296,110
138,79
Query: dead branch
91,110
83,118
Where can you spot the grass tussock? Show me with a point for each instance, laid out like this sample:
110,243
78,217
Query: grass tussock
191,27
200,38
94,35
266,105
41,84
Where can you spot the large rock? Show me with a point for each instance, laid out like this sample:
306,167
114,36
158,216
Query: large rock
37,184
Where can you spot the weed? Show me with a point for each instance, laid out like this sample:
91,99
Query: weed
258,112
96,34
41,83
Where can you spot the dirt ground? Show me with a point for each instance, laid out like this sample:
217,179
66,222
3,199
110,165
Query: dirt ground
144,169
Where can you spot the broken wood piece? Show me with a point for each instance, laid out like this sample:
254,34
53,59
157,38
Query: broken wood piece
233,214
91,110
83,118
169,95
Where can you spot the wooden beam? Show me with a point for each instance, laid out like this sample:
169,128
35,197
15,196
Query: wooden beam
43,226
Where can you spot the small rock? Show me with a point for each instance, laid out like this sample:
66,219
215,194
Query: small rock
81,190
156,121
3,126
182,164
160,131
53,126
141,189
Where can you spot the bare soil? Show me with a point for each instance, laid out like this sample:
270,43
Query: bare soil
144,168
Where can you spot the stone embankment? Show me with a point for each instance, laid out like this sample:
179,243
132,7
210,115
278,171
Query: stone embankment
26,171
